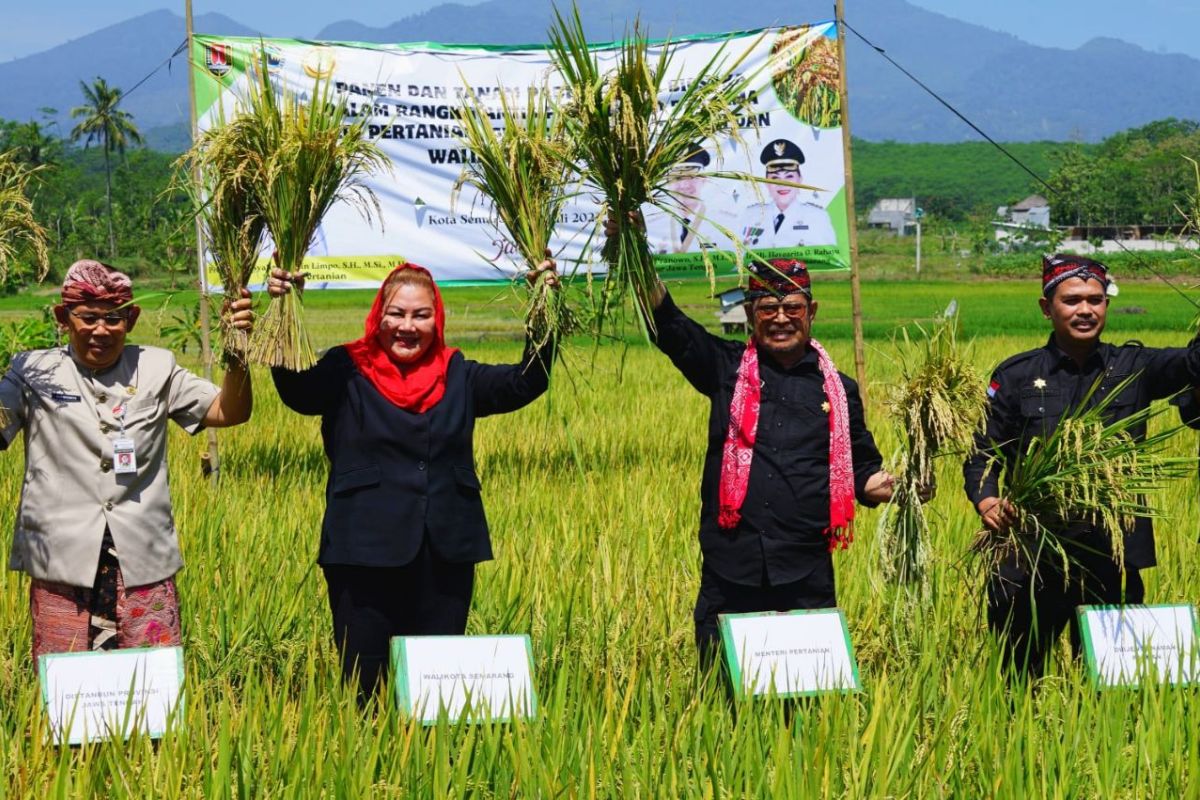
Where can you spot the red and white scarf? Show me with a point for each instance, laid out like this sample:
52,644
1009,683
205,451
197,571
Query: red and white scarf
743,429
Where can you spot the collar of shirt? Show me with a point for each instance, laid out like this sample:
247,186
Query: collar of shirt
807,363
1060,360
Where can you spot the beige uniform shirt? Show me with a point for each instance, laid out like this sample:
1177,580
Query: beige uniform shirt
72,491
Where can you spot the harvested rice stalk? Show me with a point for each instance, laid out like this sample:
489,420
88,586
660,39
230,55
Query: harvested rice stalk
213,176
524,170
628,142
938,406
1087,471
20,232
300,158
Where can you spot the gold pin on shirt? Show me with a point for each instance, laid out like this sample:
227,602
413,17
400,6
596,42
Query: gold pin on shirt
826,407
1039,383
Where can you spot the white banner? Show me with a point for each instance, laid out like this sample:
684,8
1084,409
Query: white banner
413,94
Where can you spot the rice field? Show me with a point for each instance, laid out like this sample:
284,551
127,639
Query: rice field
592,495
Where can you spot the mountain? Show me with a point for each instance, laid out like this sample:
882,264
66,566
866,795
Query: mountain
1014,90
123,54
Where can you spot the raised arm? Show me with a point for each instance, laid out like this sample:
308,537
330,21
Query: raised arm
693,350
315,390
500,388
236,400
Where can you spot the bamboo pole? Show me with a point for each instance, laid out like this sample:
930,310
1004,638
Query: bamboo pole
210,461
860,358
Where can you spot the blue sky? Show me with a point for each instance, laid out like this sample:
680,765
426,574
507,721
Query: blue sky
1160,25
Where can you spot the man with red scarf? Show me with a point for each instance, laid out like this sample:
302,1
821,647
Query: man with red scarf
788,453
1028,605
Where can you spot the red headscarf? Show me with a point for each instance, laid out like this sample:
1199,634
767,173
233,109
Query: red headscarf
416,386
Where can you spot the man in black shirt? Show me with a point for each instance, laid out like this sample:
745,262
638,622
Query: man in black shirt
1030,604
772,508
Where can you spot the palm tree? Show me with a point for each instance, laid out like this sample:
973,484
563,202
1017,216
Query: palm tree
105,123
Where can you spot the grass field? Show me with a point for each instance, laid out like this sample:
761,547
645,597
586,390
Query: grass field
592,498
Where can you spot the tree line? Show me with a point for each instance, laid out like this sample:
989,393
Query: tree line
97,192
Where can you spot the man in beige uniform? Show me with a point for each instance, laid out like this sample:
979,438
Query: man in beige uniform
94,530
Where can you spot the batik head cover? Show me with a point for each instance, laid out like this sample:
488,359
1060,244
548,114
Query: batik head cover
1060,267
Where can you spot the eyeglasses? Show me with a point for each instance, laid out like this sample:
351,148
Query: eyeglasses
765,311
114,319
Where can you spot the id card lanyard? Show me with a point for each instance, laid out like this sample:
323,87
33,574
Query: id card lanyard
124,452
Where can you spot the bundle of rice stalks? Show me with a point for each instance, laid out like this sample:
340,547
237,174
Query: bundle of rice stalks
299,157
1087,471
524,170
214,175
20,232
938,406
628,137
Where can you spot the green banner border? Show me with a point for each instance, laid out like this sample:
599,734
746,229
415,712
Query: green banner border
733,660
510,48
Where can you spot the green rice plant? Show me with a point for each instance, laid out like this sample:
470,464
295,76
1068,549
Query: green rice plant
1087,470
524,170
628,140
600,567
298,158
937,405
20,232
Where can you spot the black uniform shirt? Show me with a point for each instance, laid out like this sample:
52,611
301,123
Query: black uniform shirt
1030,392
786,509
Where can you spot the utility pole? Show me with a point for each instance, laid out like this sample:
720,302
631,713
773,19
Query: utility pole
860,358
210,462
917,214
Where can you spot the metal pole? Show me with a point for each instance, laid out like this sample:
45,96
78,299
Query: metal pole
918,245
210,461
860,358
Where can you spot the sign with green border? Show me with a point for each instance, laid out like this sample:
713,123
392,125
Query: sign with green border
112,694
1126,645
809,649
479,678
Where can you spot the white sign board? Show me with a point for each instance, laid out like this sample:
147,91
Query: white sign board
1127,644
480,677
789,654
113,694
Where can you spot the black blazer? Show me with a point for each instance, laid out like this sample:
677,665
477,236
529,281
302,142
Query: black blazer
396,476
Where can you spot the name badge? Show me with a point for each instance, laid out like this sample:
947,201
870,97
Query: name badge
63,397
799,226
124,456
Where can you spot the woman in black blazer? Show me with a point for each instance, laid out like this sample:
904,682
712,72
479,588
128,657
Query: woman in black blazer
404,522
